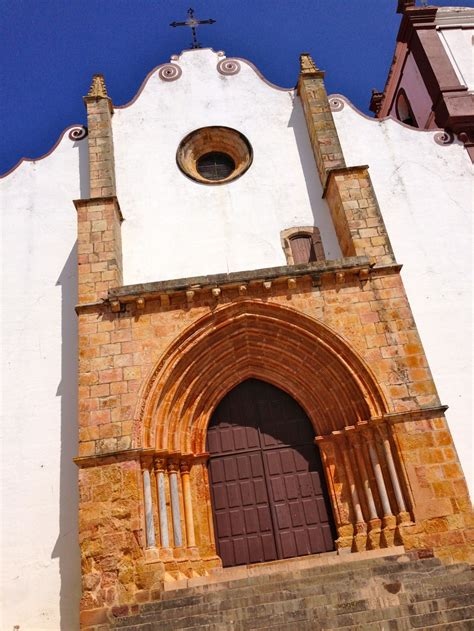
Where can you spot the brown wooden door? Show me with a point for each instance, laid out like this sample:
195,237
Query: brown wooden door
267,487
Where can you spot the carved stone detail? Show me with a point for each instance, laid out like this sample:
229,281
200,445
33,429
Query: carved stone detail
228,67
307,65
78,133
98,88
170,72
336,104
443,138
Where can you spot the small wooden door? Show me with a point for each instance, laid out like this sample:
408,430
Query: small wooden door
267,485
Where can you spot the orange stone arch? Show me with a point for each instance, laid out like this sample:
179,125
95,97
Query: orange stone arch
245,340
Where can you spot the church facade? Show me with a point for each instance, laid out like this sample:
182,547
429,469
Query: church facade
252,383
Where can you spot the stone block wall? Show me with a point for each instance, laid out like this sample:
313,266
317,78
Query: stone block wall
124,364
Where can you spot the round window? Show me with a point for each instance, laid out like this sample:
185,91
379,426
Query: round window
215,165
214,155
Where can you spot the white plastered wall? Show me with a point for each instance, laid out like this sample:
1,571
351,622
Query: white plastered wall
175,227
425,194
458,43
40,563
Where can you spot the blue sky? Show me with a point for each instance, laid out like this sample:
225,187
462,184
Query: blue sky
51,48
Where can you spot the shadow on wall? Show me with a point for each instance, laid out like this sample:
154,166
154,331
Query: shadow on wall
84,181
321,214
67,544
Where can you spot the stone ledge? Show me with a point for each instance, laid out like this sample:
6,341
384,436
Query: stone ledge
313,270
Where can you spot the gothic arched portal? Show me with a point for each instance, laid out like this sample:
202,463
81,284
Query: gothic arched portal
268,491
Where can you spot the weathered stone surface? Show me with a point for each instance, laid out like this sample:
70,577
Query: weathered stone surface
348,596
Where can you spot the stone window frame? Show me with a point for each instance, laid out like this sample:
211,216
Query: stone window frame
311,231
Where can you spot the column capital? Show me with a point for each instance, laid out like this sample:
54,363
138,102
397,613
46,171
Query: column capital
160,463
173,465
185,466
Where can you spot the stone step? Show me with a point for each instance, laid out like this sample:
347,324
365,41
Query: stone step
289,592
310,574
333,599
311,608
307,566
403,618
342,583
389,593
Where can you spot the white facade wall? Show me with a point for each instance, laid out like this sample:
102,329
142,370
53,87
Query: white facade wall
425,194
175,227
458,43
40,561
455,26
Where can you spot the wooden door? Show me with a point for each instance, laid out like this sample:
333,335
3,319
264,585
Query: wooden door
267,486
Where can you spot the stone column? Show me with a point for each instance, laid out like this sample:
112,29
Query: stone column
333,471
150,527
173,468
357,450
360,525
188,504
403,514
374,521
374,458
160,472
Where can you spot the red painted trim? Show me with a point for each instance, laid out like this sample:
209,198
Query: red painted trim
45,155
394,77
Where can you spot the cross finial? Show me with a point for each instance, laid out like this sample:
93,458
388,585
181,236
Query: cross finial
192,22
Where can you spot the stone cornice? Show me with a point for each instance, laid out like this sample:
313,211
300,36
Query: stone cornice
390,418
145,455
360,267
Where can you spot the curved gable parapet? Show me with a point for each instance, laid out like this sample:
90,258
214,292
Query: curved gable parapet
337,103
342,109
76,133
220,64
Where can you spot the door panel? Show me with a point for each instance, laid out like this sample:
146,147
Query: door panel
241,511
267,488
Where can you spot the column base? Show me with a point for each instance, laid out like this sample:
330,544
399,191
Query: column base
193,552
404,518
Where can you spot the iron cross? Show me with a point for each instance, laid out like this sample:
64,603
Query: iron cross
192,23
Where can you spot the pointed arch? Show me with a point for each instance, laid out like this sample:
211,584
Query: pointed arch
245,340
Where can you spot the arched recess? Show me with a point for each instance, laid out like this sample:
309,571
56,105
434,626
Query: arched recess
245,340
